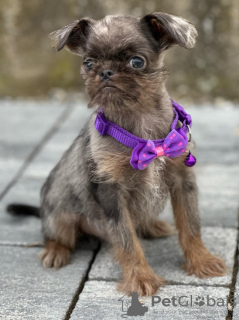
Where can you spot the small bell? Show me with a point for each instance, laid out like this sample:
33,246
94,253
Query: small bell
190,160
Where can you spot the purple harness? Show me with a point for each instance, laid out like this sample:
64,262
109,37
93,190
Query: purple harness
144,151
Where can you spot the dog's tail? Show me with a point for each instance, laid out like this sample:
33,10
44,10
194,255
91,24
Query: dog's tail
23,210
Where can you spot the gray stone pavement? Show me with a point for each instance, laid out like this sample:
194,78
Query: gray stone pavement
33,137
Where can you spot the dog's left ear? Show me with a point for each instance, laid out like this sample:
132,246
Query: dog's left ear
169,30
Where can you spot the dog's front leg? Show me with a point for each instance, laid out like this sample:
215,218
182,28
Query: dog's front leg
137,275
199,260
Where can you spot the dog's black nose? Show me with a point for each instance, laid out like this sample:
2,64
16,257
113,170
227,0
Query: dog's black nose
106,74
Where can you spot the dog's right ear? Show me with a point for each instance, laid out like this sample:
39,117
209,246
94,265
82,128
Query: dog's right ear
73,36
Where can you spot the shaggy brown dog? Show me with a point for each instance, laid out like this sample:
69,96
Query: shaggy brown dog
93,189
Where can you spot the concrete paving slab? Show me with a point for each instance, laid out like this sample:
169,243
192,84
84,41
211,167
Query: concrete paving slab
30,292
23,125
20,230
100,301
27,190
166,258
216,135
218,195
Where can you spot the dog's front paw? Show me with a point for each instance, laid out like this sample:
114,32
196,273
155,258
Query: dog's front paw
54,255
145,284
206,266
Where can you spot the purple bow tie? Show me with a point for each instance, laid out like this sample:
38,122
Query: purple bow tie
144,151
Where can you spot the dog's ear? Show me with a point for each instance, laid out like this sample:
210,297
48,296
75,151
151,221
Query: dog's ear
73,36
170,30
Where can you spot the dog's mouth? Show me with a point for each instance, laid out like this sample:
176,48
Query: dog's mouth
108,87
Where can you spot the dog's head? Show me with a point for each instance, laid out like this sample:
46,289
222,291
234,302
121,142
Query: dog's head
123,55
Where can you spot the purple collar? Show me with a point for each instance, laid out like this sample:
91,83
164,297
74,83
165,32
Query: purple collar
144,151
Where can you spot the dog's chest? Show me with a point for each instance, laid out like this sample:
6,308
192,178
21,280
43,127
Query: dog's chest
159,185
146,189
153,193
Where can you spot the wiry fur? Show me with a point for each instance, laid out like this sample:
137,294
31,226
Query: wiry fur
93,189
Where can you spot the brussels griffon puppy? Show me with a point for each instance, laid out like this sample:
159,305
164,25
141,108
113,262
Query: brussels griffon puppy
102,186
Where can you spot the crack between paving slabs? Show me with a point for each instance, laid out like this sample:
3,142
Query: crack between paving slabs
56,126
82,284
234,275
171,283
24,245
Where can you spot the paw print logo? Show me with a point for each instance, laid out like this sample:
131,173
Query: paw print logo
199,301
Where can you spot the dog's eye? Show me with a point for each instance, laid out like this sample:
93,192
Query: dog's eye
88,65
137,62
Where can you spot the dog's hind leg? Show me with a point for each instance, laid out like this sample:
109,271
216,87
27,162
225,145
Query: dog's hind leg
60,232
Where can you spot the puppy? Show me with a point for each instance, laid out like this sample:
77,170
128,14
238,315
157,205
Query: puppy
97,188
